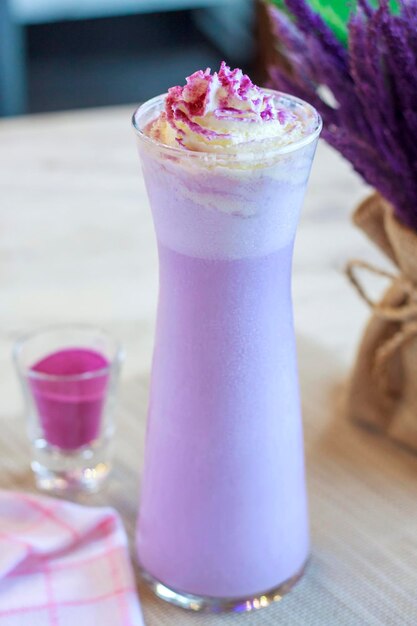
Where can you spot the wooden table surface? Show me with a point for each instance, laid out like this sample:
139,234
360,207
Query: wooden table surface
76,244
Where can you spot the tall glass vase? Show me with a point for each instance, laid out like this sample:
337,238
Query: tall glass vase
223,518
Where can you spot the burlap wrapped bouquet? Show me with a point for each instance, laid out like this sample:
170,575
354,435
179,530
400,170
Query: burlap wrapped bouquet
383,387
361,76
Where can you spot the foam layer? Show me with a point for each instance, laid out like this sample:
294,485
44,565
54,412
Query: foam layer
226,165
221,214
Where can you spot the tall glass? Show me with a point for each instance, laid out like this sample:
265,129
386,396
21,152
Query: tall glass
223,516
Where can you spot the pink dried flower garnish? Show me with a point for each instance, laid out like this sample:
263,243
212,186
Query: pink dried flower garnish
226,95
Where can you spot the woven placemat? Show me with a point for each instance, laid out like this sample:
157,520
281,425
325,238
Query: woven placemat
363,506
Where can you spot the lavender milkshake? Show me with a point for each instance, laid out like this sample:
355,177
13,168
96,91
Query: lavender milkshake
223,514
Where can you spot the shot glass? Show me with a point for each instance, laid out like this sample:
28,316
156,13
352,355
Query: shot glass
69,376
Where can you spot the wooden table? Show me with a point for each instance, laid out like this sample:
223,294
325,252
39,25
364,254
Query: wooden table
76,244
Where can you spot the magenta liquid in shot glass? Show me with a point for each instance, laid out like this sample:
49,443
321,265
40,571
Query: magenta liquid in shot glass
223,520
69,388
69,376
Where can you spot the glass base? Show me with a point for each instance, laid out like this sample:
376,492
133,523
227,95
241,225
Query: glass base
61,471
209,604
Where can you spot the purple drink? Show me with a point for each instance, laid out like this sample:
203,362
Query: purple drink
234,522
70,409
223,515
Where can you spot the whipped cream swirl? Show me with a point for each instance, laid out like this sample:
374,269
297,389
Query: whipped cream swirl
224,112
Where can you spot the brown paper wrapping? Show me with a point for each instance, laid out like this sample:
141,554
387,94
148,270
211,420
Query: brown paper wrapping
383,387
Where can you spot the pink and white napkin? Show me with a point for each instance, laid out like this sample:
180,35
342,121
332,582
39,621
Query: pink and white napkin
62,564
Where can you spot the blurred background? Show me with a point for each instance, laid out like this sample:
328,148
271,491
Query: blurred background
66,54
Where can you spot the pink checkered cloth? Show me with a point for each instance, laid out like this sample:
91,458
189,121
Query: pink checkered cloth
62,564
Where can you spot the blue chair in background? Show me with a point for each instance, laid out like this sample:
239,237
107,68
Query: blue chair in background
226,22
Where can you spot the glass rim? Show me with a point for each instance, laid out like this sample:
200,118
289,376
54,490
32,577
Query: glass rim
20,342
305,140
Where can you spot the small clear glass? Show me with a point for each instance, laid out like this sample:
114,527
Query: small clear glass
69,376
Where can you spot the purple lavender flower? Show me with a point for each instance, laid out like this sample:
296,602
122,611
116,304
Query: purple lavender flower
371,118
